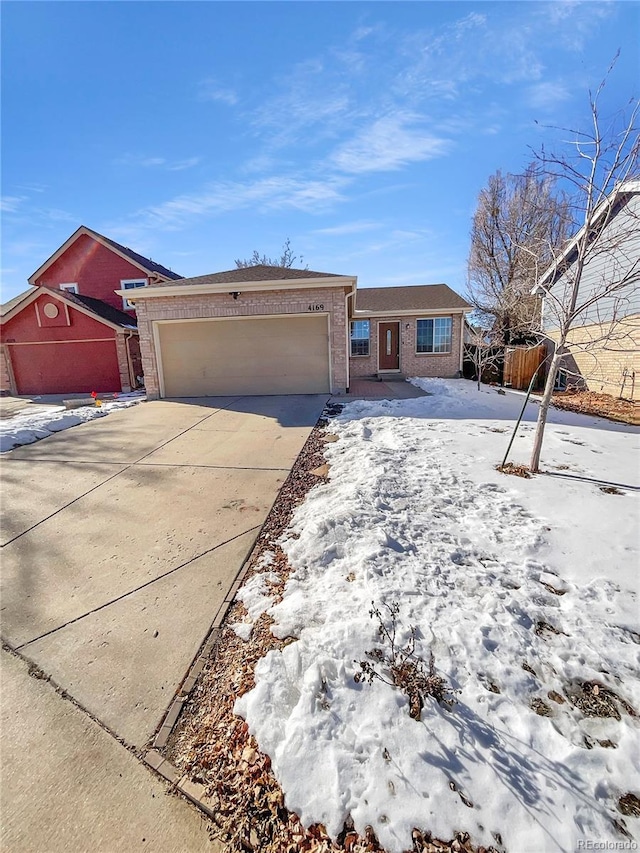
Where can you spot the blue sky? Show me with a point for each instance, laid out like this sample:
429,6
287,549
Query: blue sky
195,132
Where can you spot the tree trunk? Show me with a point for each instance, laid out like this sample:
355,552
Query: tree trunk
544,408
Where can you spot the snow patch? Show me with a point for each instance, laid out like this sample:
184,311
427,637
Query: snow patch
522,589
27,427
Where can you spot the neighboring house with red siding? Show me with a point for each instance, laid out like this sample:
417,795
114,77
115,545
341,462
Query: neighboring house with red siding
71,332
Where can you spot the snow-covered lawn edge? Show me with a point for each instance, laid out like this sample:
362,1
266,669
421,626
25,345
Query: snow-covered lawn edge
27,427
524,591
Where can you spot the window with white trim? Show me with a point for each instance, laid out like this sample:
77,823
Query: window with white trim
360,332
72,287
130,284
434,335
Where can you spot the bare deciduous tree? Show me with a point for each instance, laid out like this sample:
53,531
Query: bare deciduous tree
287,259
484,348
588,288
519,221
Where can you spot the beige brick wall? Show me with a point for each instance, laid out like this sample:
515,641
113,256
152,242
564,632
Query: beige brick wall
411,363
123,364
602,363
248,304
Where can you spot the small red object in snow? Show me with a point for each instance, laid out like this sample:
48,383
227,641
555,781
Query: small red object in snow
94,394
115,396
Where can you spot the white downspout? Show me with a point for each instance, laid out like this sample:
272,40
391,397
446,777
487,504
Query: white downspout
348,325
132,378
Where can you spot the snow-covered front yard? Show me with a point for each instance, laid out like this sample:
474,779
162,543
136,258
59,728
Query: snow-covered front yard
28,426
526,593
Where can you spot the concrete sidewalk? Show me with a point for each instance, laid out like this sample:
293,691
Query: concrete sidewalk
67,785
368,388
120,540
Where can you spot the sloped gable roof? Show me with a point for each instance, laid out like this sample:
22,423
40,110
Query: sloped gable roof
10,304
145,264
94,307
416,297
104,311
605,213
260,272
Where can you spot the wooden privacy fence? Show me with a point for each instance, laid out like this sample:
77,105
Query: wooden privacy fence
520,363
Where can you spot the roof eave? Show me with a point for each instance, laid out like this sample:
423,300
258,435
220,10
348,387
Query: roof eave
59,295
82,230
154,292
410,312
556,269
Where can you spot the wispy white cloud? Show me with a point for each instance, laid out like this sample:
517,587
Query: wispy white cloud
11,203
32,188
455,60
348,228
548,94
574,21
144,161
55,214
263,163
25,248
21,206
383,70
388,144
211,90
181,165
274,193
395,239
311,103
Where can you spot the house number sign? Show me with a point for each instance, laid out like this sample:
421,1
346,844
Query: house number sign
316,306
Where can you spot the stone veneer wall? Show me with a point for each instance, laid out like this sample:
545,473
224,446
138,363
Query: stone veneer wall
248,304
445,365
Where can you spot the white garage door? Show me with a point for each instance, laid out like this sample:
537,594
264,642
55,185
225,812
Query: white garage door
284,355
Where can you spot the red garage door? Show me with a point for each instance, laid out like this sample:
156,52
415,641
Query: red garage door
65,368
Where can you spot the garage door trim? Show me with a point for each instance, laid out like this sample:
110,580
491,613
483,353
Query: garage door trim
155,325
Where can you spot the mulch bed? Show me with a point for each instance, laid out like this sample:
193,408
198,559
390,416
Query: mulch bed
600,405
214,747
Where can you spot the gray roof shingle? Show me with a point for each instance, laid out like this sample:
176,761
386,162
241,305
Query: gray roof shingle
11,303
147,263
260,272
96,306
107,312
416,297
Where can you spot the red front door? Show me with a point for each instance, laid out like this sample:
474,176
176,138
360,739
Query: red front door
389,346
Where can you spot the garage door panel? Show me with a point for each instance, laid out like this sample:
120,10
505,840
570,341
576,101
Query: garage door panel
258,356
65,368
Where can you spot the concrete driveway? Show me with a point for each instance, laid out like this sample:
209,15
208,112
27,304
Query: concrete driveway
121,538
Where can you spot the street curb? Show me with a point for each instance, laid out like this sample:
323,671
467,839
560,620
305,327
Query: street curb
193,791
211,639
153,758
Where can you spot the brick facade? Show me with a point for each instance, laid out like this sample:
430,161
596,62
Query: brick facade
123,364
71,352
96,269
607,360
445,365
248,304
